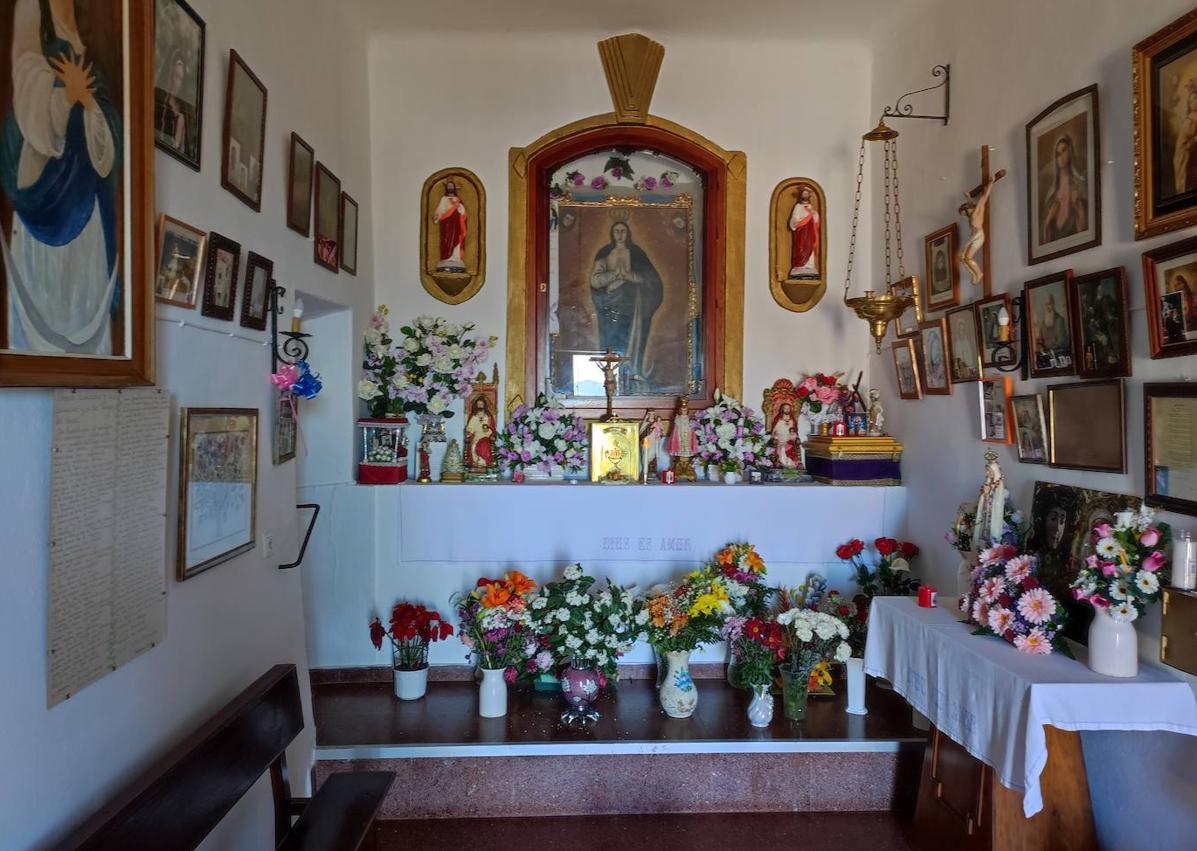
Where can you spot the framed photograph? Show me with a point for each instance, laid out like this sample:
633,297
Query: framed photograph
1087,425
77,281
178,80
349,213
997,421
328,219
1064,177
964,348
942,276
285,430
244,138
990,315
300,169
180,259
1170,427
907,325
259,272
1047,312
1164,77
1030,428
906,365
1170,281
218,481
933,335
220,281
1101,324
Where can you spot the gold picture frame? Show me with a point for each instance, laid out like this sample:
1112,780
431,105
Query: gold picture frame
615,451
459,278
802,290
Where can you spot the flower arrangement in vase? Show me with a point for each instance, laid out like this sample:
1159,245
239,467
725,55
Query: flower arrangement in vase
731,436
585,631
758,647
412,628
1122,577
496,624
378,387
823,399
544,438
1006,600
436,362
891,575
812,638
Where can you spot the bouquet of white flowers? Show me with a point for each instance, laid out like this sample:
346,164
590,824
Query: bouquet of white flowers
437,362
544,436
731,435
379,363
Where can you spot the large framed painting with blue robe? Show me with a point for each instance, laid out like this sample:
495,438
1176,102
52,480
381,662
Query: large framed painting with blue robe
76,173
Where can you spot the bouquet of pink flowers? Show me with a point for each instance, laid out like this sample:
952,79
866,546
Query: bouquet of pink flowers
823,397
1128,566
496,623
731,435
1007,600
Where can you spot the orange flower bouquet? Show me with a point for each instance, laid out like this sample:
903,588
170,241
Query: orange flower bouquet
497,624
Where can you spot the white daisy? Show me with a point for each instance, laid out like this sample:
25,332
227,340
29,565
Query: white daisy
1119,590
1123,612
1147,582
1108,549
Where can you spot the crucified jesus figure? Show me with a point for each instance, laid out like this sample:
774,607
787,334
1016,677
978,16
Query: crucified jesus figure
973,209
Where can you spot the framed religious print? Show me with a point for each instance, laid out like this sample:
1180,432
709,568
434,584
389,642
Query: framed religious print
964,347
328,219
301,167
286,431
1047,322
1170,427
993,324
1087,425
76,208
244,137
942,280
907,325
1164,77
1030,428
1101,324
798,244
218,481
1064,177
259,272
178,80
997,422
180,260
349,213
220,281
453,235
933,336
906,367
1170,281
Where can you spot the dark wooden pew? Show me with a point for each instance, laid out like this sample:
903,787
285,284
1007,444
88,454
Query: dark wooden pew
176,803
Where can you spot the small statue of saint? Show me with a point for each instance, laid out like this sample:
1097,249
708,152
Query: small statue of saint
452,469
783,434
876,414
450,219
479,436
651,437
804,223
683,442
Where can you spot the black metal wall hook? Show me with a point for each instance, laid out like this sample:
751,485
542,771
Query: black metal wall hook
306,535
906,110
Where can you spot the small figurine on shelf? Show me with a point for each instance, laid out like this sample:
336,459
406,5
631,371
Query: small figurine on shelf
651,437
453,469
683,443
876,414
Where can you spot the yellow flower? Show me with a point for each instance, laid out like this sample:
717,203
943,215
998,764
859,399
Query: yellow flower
706,604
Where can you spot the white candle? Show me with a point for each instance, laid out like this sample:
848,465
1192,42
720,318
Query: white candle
1184,562
297,316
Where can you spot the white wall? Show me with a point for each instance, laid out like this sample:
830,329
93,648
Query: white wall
228,625
1009,61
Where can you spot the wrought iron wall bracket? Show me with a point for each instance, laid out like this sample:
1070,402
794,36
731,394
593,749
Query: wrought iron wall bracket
294,347
1011,355
307,536
906,110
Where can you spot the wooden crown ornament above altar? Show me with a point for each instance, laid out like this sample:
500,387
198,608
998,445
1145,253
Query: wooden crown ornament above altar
631,63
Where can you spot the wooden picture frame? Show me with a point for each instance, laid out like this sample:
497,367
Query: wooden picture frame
1170,294
179,47
907,369
798,225
218,475
180,262
1170,433
349,230
997,419
908,286
46,350
255,297
1087,424
285,427
301,168
453,198
1074,122
987,312
244,134
1159,64
933,339
964,344
1101,324
940,249
326,247
220,278
1030,428
1049,351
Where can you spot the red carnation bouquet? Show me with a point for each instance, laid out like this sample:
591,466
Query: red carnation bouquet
412,629
891,575
758,646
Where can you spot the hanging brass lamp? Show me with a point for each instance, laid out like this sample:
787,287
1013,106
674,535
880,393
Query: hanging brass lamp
878,310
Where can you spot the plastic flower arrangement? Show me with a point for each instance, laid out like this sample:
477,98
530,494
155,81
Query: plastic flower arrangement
731,435
688,615
412,629
812,637
437,362
960,536
1128,567
584,628
496,623
854,616
823,397
378,388
892,574
758,646
743,573
1007,600
544,436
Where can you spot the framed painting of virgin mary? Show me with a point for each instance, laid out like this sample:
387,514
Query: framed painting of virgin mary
76,236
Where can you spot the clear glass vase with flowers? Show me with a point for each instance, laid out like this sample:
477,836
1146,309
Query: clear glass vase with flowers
812,638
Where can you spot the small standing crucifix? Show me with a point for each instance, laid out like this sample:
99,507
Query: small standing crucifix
609,363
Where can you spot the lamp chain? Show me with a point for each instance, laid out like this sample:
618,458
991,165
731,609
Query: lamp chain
855,217
897,217
888,191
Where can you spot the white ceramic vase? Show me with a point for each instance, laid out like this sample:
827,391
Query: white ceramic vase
436,459
760,710
854,668
1113,646
714,474
492,693
678,695
411,685
700,472
730,478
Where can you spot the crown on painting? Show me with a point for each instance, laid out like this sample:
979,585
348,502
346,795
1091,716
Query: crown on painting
620,214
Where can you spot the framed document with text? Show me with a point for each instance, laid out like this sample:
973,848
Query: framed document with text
1170,429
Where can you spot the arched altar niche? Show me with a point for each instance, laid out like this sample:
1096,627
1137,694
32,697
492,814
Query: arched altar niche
720,292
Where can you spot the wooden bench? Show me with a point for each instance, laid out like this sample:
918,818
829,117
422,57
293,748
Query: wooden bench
175,804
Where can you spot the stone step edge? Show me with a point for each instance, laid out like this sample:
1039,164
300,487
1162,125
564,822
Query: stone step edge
330,753
464,673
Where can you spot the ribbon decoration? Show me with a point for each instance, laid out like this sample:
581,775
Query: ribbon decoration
297,380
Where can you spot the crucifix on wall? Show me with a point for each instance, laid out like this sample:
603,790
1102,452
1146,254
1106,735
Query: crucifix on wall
976,210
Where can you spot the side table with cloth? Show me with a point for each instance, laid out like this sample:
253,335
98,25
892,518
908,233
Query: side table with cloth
999,705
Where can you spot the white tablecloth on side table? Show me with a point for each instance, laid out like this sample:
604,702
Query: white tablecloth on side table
995,701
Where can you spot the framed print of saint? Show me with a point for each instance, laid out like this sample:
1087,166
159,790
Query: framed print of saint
180,260
1030,428
942,281
1064,177
1170,281
1047,310
220,280
244,133
178,80
964,349
300,172
77,273
798,244
349,212
997,424
907,325
906,367
933,335
1101,324
256,296
326,245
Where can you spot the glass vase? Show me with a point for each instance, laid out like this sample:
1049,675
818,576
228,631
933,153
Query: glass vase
794,686
760,709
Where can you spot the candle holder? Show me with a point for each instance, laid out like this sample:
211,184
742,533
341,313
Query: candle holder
1011,355
294,346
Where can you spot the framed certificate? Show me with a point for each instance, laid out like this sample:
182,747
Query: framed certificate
1170,429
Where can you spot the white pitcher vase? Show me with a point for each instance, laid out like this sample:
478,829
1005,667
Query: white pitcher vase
1113,646
492,693
677,694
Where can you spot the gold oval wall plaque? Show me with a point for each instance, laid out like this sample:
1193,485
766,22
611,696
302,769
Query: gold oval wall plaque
453,235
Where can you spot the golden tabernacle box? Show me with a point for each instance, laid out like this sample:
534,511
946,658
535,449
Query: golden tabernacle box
854,460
